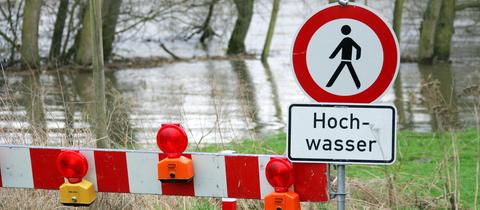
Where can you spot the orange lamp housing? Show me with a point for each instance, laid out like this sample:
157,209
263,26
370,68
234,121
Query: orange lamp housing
76,191
279,172
172,140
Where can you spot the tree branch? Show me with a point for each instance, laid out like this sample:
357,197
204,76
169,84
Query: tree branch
8,39
467,5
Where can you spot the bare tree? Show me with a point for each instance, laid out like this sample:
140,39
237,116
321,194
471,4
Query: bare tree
101,133
10,13
271,29
83,46
111,11
444,31
397,17
207,31
427,31
29,48
236,45
58,30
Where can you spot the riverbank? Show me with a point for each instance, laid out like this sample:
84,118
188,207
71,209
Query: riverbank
426,175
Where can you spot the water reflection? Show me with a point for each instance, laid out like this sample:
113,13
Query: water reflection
34,105
66,101
120,129
216,101
399,103
439,95
273,85
83,87
246,96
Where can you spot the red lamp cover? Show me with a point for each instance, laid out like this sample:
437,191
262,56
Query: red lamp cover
72,165
172,140
279,172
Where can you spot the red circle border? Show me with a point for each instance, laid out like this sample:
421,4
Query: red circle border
381,29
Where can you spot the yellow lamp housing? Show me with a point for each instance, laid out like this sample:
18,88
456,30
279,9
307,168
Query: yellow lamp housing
77,194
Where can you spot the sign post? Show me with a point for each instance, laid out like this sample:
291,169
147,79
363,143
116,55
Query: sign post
345,54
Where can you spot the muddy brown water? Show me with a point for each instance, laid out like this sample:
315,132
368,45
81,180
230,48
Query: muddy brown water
221,100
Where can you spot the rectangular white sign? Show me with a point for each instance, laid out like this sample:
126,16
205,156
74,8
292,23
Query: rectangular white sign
341,133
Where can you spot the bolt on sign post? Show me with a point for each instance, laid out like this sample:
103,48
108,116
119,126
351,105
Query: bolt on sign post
172,140
76,191
348,55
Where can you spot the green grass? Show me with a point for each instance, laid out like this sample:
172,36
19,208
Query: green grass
271,144
419,167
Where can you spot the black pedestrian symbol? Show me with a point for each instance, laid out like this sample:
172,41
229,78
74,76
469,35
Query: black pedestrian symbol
346,46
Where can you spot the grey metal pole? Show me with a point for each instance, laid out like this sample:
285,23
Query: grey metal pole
341,193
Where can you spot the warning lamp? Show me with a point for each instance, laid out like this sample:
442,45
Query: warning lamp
172,140
279,172
76,191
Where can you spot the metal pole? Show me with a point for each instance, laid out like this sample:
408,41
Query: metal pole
341,193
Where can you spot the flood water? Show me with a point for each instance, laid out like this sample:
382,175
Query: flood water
221,100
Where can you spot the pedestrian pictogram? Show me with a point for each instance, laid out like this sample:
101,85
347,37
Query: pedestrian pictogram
345,54
346,47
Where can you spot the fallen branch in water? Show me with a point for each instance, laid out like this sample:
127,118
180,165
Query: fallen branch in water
170,52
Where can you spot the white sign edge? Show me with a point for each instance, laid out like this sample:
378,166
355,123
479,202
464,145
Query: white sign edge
363,105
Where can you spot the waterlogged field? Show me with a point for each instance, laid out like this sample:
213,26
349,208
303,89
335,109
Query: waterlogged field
430,168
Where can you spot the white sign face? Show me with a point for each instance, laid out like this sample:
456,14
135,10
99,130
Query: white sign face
337,61
340,133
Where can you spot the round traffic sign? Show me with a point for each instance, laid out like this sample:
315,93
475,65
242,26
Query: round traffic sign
345,54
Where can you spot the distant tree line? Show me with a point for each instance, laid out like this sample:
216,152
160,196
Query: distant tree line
71,40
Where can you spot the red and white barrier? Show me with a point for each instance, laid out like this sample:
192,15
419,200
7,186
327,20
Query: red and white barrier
128,171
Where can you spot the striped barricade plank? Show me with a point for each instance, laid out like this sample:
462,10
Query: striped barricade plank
132,171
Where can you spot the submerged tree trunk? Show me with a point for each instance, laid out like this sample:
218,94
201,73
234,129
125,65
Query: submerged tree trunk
206,28
111,9
83,49
236,45
427,31
101,133
444,30
29,48
397,18
60,20
271,29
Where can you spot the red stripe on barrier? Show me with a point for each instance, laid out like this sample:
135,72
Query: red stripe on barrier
242,177
181,189
112,173
311,181
44,168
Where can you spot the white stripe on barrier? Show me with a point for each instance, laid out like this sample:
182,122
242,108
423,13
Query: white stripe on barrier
16,167
92,172
141,166
137,173
265,187
209,179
